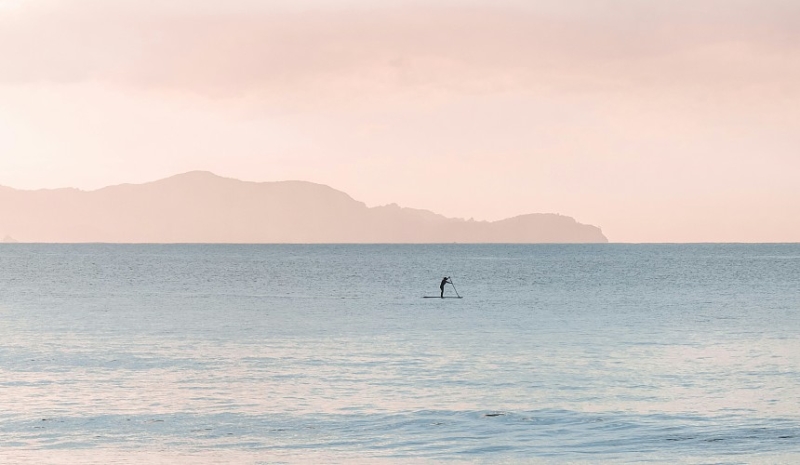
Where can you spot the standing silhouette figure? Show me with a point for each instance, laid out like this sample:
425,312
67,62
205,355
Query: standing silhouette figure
445,280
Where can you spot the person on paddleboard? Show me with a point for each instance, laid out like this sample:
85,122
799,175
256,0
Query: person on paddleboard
445,280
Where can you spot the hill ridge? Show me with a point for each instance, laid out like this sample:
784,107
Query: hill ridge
201,206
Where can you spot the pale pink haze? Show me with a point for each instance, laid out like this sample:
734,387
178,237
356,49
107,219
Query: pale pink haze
670,121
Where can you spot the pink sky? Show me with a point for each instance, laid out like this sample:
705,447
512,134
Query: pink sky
667,121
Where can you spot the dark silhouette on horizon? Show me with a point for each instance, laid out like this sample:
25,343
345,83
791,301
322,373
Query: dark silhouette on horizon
445,280
200,207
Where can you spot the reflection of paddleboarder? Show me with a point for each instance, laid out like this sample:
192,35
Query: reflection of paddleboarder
445,280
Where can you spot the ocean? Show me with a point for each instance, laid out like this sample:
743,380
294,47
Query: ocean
252,354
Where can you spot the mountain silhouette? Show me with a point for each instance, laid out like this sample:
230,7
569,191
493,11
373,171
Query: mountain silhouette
201,207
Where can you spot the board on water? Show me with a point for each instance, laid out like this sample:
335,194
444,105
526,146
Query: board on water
445,297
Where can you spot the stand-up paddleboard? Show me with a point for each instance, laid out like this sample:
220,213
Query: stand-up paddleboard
449,280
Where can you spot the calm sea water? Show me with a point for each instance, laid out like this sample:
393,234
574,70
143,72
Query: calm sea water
329,354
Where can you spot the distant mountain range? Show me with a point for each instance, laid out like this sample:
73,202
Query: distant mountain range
201,207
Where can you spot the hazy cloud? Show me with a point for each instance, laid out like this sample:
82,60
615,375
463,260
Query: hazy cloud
353,49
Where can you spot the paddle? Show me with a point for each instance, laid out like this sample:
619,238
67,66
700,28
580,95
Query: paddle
454,287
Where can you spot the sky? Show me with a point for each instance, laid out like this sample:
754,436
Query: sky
658,121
